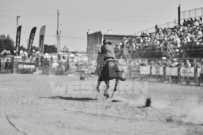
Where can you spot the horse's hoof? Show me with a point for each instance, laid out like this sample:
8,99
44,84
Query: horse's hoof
106,95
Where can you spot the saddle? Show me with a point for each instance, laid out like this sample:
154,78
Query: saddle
110,59
100,66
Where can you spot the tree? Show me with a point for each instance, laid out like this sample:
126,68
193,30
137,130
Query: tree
35,48
65,49
50,49
22,48
6,43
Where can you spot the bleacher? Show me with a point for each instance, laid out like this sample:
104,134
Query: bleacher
179,41
176,39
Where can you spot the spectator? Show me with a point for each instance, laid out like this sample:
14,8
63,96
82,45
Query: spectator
190,34
188,64
124,42
174,63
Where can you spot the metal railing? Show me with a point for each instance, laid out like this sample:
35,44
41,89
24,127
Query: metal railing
192,13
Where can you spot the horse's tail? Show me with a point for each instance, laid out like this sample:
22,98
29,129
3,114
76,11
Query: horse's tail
121,73
122,78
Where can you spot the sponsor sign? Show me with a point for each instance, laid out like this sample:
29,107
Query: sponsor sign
26,67
187,72
157,70
145,70
172,71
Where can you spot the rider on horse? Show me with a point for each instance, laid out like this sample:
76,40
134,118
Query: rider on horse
108,67
107,52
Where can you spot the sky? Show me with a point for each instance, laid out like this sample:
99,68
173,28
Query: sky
77,16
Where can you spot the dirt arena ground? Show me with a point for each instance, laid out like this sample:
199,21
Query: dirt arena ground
28,107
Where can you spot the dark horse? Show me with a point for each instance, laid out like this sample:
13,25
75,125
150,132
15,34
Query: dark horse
111,70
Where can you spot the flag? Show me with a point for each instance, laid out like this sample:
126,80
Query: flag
18,34
31,39
41,38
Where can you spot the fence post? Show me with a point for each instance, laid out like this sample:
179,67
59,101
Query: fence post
201,11
195,70
183,14
0,64
195,13
12,64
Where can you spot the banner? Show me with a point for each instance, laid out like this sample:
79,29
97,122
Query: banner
41,38
199,71
145,70
156,70
172,71
18,34
135,71
161,70
187,72
31,39
25,67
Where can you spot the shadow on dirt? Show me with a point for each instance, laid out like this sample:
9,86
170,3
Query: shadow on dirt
116,100
83,99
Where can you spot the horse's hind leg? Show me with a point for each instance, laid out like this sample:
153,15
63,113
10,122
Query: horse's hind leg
115,87
98,84
106,94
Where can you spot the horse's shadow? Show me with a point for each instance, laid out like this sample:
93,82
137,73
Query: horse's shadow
82,99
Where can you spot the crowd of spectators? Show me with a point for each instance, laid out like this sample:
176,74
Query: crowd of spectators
188,34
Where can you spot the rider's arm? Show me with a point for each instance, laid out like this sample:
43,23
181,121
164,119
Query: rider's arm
102,49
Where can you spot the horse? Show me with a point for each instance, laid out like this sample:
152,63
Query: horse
111,70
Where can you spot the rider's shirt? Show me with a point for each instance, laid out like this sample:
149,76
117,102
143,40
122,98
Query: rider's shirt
108,51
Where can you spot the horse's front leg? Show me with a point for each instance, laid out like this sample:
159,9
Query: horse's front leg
115,87
98,84
106,94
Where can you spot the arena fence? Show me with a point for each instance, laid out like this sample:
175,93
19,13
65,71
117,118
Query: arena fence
160,70
156,70
6,64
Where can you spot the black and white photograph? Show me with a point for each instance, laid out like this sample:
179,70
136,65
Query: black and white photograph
101,67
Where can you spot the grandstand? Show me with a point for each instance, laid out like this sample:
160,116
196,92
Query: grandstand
181,39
